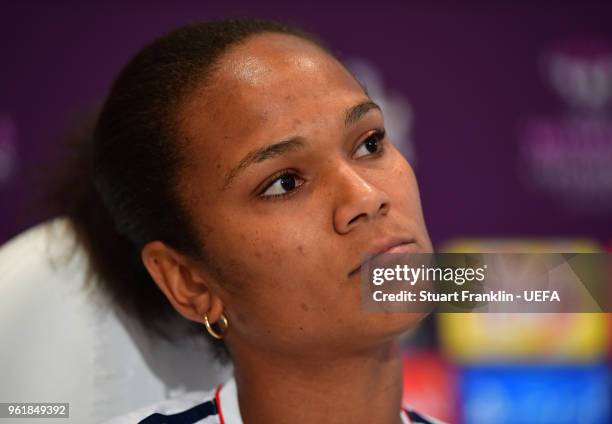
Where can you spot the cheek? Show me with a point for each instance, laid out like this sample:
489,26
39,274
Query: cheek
408,200
287,277
402,186
291,263
267,254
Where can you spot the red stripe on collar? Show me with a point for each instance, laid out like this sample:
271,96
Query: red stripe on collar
407,415
218,402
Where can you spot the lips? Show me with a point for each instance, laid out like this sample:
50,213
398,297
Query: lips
392,244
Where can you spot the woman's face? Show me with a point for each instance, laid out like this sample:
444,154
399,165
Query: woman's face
290,183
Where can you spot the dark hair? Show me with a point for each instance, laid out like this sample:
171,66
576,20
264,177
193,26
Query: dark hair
121,192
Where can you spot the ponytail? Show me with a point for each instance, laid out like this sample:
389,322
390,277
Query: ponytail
114,262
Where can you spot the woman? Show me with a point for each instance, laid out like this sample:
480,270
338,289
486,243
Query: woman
246,173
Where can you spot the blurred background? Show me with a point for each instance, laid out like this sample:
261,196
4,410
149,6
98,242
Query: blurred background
504,109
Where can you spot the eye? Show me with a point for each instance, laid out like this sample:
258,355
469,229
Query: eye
371,145
282,186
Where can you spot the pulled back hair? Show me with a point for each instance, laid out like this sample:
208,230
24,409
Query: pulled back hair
121,191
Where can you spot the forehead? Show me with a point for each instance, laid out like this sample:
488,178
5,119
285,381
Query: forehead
272,63
268,84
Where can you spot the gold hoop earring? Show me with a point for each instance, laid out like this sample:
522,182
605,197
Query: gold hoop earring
212,332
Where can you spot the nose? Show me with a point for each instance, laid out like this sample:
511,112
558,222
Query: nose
359,201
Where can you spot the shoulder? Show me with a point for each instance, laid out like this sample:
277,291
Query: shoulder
415,417
192,407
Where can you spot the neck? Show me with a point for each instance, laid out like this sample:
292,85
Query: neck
363,387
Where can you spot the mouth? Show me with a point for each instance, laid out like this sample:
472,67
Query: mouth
384,245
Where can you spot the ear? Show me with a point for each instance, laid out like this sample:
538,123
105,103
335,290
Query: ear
182,283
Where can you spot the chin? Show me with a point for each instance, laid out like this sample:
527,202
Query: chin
395,324
409,320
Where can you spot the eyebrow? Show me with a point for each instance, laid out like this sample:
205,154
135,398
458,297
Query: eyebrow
263,153
352,116
357,112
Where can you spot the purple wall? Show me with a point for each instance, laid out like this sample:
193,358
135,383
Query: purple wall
473,76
